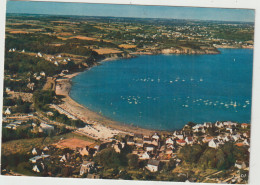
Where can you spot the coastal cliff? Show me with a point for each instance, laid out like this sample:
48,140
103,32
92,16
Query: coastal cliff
206,50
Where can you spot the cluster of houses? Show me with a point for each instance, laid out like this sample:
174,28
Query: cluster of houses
14,125
59,59
38,76
154,149
158,148
57,157
227,131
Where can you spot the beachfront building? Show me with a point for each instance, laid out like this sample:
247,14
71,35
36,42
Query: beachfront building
156,136
244,125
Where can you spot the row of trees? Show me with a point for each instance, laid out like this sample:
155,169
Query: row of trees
19,133
222,158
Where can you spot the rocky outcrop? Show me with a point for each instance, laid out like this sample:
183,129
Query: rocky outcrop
209,50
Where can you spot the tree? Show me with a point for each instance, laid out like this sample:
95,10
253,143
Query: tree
132,160
221,161
42,97
191,153
108,158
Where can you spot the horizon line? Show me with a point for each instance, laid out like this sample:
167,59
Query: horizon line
201,20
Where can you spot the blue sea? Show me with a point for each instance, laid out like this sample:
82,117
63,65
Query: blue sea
168,91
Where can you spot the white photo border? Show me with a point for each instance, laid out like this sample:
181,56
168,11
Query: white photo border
255,116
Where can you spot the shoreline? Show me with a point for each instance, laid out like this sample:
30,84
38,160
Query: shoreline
90,117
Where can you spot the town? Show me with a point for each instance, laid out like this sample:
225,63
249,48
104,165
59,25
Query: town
46,133
222,147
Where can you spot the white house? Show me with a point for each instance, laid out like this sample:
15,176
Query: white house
46,128
227,138
38,157
244,125
179,135
36,169
213,143
207,124
7,111
144,156
198,126
169,141
229,129
63,159
7,89
236,137
189,140
39,54
35,159
219,124
155,136
153,165
229,123
240,165
246,142
42,73
116,148
150,148
34,152
85,167
83,151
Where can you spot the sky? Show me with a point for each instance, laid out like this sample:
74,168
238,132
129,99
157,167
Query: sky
85,9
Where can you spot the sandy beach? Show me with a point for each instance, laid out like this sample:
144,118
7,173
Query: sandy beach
99,127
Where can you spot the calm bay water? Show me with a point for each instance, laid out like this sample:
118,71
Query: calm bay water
167,91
